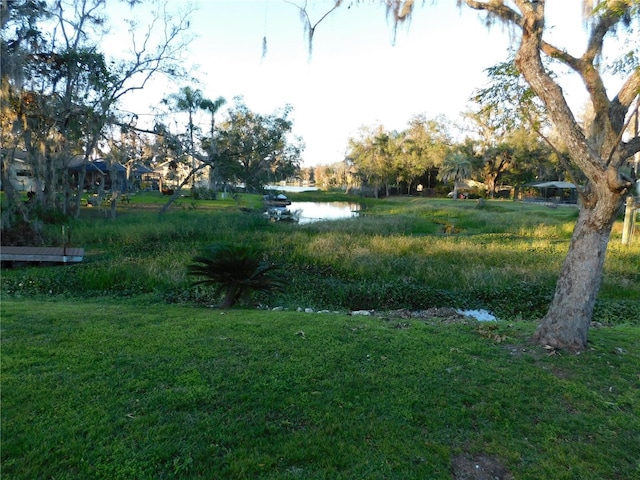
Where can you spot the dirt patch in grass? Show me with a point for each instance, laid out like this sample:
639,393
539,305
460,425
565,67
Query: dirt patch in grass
478,467
518,350
440,315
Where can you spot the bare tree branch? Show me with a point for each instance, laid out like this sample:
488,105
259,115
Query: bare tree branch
306,21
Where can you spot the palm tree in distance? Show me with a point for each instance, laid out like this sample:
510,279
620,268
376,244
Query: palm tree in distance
455,168
212,106
235,271
190,101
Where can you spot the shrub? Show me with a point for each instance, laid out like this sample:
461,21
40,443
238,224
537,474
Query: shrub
202,193
236,270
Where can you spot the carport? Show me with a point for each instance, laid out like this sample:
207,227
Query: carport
556,192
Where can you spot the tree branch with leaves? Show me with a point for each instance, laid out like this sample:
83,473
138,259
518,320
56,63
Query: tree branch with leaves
598,150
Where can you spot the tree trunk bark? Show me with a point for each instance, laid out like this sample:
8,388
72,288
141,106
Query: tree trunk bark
113,206
567,321
230,296
15,204
491,185
173,198
81,177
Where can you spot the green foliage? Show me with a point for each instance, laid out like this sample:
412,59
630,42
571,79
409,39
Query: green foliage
615,312
201,193
381,157
508,103
236,269
455,168
190,101
525,299
366,294
254,149
70,99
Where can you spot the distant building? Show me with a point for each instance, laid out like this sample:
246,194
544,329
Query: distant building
19,172
554,191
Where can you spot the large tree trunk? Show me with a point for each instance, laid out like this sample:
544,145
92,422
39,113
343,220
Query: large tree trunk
490,180
15,206
597,152
567,321
81,177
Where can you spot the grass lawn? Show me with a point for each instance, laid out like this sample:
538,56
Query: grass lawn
101,390
117,368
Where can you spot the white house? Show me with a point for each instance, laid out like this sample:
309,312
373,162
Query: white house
19,173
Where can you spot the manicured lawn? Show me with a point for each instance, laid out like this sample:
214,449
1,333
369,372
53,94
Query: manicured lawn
115,390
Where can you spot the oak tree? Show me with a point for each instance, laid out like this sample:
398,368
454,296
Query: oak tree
598,150
257,149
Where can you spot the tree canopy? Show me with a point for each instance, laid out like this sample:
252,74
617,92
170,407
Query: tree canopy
598,150
60,93
257,149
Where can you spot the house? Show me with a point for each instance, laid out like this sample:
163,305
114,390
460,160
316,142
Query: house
143,177
19,172
171,174
128,177
99,172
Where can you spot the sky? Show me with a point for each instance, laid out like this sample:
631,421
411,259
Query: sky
357,75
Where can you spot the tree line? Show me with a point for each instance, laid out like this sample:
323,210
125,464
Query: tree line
425,159
506,139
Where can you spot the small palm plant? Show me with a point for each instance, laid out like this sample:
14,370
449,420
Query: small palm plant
235,270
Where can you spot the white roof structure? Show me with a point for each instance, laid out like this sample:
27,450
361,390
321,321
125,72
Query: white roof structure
554,185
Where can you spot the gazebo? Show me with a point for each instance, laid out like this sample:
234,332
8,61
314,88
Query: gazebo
557,191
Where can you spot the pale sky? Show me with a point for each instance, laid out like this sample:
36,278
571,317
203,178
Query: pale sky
356,76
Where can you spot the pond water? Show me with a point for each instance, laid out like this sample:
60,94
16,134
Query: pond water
309,212
291,188
480,315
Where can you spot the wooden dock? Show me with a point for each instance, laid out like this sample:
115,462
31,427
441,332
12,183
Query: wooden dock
41,254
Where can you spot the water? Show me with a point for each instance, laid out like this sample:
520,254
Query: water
290,188
309,212
480,315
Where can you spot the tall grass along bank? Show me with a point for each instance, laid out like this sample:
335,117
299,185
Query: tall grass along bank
400,253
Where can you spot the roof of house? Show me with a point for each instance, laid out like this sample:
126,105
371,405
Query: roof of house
97,166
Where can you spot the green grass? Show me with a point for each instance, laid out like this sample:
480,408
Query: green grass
116,368
101,390
400,253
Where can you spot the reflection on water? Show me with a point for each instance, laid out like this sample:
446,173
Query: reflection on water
290,188
308,212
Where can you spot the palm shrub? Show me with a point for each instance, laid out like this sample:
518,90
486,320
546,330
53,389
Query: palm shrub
236,271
